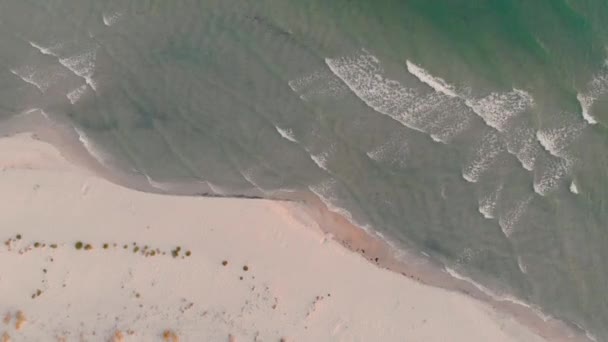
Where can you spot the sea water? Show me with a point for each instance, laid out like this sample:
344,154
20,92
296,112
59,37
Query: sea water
471,131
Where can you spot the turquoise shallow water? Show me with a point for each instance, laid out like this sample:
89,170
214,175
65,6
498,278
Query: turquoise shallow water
472,131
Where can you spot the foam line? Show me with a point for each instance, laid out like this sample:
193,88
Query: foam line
286,134
511,217
90,147
437,83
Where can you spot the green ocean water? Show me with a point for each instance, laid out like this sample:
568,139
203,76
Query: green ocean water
472,131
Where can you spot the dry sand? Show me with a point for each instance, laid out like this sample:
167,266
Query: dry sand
85,259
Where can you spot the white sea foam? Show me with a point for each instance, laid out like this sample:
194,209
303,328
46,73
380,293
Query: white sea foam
489,202
155,184
318,85
590,336
326,195
111,18
521,141
83,65
497,109
248,175
44,114
444,119
30,111
301,83
522,266
556,140
331,89
36,110
393,151
321,160
42,79
596,88
91,147
586,102
587,333
549,175
378,153
436,138
573,188
509,219
363,76
438,84
76,94
43,50
499,297
485,153
287,134
434,113
215,189
444,113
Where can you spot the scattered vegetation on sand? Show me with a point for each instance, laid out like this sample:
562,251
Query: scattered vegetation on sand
20,320
224,263
38,292
118,336
143,250
170,336
245,268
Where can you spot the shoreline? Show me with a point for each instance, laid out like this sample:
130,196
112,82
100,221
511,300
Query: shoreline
382,254
374,249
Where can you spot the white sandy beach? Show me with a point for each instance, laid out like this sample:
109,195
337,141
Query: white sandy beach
197,269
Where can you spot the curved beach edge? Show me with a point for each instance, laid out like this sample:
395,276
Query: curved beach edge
206,267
